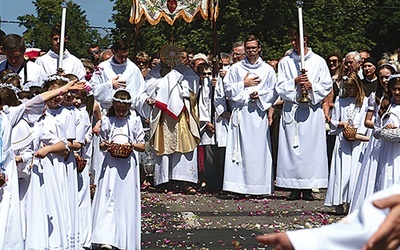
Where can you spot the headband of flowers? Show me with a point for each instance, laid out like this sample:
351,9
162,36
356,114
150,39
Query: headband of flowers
56,77
390,64
31,84
9,75
10,86
394,76
128,101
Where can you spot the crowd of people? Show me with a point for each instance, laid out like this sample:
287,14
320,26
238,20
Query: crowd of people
79,142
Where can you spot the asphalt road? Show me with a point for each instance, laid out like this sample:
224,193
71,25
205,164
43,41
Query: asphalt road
204,221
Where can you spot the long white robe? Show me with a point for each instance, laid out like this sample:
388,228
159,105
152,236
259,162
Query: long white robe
352,233
248,160
205,110
116,204
22,144
221,105
35,190
84,201
302,160
388,168
11,236
365,183
344,166
66,220
71,64
103,90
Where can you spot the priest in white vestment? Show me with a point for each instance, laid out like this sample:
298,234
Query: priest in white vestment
302,161
174,126
249,87
120,72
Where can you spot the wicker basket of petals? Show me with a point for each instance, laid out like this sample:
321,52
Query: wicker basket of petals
80,162
349,133
119,150
2,179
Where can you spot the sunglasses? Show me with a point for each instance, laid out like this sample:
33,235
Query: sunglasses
207,73
94,52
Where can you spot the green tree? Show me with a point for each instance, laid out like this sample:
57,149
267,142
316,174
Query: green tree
334,26
384,26
337,25
38,28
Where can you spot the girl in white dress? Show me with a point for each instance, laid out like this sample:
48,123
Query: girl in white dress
84,108
349,110
116,204
27,139
10,228
365,183
388,116
63,207
35,189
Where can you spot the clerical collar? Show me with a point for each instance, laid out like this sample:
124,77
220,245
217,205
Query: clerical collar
373,80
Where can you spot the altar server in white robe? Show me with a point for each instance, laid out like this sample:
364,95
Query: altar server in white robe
174,116
213,153
302,161
249,86
222,115
119,72
221,108
50,60
14,49
354,232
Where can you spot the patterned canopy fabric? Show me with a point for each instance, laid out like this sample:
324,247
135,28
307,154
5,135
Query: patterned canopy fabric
155,10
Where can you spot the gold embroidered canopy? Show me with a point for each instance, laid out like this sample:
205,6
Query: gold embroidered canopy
170,10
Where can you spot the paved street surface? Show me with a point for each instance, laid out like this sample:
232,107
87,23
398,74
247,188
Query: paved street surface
204,221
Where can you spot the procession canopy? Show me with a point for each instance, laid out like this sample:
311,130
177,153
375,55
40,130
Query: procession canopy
170,10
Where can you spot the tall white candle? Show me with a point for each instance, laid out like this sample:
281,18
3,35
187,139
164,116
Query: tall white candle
301,33
62,35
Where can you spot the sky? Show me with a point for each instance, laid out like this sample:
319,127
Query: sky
97,12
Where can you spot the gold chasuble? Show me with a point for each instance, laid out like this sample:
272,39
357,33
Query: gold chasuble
179,135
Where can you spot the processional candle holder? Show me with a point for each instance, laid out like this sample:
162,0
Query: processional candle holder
304,93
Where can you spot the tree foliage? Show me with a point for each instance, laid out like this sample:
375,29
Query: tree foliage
38,28
333,26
